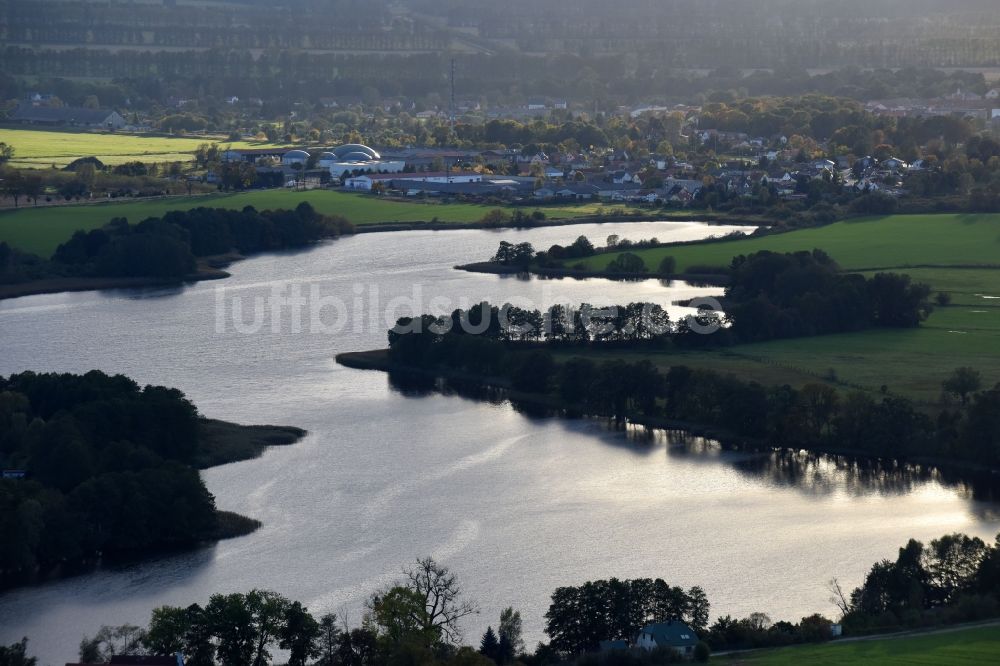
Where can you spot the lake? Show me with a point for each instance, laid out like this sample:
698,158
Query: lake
516,505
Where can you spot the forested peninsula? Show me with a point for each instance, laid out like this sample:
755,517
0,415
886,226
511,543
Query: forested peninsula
98,468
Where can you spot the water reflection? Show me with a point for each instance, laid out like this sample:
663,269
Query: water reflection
813,474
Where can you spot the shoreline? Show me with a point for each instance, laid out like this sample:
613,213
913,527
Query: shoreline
224,442
212,268
209,268
424,225
378,359
707,279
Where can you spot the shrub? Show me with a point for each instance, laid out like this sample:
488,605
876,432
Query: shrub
627,263
668,265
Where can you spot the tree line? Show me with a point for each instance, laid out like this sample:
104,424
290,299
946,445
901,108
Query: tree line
418,619
579,617
955,578
168,247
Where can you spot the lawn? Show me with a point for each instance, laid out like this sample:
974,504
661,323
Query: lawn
956,648
42,149
40,230
869,243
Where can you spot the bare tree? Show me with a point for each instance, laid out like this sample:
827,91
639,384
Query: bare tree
439,589
837,596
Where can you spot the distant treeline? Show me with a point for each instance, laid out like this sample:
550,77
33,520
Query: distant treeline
168,247
97,465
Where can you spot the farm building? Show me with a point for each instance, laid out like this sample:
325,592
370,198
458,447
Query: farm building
68,115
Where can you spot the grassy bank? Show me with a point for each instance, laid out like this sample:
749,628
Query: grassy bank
224,442
41,230
980,645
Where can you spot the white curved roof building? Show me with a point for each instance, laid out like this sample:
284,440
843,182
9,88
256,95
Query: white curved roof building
295,157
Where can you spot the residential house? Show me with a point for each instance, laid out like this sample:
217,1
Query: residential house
673,634
578,191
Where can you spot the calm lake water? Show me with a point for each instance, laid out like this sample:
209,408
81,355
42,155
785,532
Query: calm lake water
516,505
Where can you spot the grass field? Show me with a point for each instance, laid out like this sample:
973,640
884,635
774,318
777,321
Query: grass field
911,362
869,243
968,647
42,149
40,230
953,250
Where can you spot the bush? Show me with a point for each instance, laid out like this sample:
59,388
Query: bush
702,652
943,298
668,266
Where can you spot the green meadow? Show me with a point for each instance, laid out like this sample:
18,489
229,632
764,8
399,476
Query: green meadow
40,230
43,148
957,254
967,647
868,243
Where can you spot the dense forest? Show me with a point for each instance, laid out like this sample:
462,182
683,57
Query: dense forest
103,467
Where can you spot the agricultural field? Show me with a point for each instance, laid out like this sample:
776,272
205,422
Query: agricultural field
953,252
40,230
41,148
965,647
